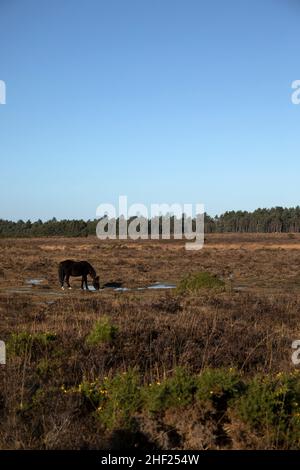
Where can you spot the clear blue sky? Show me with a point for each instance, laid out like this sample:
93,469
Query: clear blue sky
160,100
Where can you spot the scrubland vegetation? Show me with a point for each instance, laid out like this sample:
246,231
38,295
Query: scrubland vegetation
204,366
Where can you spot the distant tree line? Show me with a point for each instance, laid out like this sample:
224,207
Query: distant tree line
276,219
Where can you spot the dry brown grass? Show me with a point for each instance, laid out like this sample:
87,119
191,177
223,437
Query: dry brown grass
250,329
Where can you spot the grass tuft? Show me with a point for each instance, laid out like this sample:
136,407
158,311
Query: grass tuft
199,281
103,331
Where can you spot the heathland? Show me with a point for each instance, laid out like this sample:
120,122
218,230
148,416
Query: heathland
206,365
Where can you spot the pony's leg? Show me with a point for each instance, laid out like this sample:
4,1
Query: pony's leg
86,284
62,279
67,281
82,279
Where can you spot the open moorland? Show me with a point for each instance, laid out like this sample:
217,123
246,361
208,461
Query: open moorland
205,365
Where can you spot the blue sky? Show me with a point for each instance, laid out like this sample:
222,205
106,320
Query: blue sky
163,101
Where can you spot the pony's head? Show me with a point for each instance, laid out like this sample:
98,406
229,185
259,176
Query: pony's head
96,283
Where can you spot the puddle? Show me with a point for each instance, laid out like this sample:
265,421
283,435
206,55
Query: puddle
92,288
161,286
157,285
47,291
35,282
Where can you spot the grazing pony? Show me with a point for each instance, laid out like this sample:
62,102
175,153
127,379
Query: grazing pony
69,268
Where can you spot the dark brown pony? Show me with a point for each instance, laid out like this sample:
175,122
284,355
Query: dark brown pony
69,268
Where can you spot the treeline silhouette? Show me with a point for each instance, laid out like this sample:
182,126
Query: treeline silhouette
276,219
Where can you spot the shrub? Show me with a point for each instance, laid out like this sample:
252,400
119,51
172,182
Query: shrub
202,280
115,400
272,406
219,385
20,343
120,399
91,391
177,390
103,331
47,367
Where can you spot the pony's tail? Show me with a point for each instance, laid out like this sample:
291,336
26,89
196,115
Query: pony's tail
61,274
